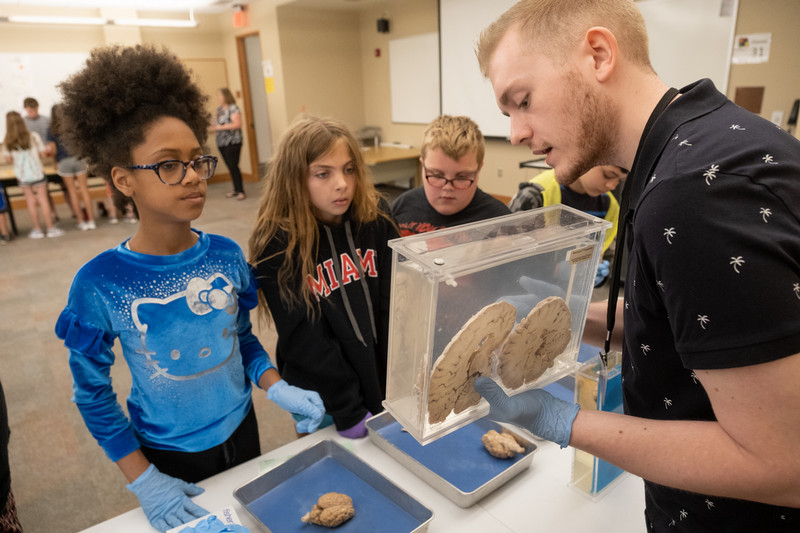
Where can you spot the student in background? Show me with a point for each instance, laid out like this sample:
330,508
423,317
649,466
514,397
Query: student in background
452,158
25,148
320,252
590,193
711,335
33,120
176,299
229,139
72,171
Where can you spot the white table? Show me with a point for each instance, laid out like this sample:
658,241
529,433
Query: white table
536,500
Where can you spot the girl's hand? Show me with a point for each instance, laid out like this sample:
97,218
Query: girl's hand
165,499
298,401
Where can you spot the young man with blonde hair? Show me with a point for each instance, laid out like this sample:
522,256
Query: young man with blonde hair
711,344
452,158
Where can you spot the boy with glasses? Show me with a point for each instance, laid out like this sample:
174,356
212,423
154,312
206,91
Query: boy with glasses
452,157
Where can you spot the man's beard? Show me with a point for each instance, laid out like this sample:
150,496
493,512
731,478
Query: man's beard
595,125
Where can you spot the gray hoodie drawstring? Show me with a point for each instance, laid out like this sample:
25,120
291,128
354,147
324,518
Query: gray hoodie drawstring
337,270
361,277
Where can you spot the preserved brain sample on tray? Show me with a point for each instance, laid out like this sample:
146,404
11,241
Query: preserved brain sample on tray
504,298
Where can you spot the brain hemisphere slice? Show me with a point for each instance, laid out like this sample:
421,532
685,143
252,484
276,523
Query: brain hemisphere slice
535,343
467,356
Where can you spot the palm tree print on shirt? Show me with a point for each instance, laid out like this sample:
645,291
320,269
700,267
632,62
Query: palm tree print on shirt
669,233
737,127
796,289
737,262
645,348
703,319
765,212
711,173
769,160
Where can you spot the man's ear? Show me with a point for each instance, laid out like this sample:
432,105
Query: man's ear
122,179
602,50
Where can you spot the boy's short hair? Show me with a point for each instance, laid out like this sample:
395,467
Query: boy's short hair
30,102
454,136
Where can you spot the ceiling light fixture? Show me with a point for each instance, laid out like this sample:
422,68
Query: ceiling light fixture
42,19
99,21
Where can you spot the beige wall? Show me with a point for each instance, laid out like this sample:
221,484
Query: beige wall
411,17
324,62
321,63
780,76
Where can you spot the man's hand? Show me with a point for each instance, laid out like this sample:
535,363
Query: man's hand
536,410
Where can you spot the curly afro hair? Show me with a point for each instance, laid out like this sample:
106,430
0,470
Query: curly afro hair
109,104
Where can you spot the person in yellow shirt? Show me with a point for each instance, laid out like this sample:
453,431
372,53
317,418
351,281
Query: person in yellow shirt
591,193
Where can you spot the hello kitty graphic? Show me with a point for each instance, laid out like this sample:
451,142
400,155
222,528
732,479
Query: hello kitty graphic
190,333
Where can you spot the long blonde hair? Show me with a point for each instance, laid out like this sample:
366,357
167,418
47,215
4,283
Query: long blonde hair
285,207
17,135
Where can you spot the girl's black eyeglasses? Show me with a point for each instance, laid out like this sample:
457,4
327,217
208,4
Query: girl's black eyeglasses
172,171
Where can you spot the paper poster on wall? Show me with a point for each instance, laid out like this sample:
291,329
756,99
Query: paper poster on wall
751,48
36,75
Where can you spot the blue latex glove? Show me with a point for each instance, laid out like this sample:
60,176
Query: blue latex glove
300,402
359,431
165,499
602,272
212,524
536,410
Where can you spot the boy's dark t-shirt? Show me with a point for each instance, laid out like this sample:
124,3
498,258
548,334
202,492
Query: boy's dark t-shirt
414,214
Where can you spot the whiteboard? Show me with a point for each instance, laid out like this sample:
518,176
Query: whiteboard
35,75
414,73
464,90
689,40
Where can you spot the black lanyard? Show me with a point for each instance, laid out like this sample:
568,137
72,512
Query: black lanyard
639,174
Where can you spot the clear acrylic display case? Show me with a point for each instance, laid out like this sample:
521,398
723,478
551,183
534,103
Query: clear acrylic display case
443,278
590,475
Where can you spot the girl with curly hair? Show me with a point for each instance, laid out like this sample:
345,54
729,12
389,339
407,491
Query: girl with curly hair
323,264
177,299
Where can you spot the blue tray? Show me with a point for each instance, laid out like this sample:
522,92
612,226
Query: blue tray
457,464
279,498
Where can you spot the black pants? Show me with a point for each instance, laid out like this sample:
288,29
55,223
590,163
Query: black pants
242,446
230,154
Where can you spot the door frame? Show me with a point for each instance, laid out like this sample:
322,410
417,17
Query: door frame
249,121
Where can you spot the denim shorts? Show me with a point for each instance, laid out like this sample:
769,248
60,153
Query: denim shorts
70,166
21,183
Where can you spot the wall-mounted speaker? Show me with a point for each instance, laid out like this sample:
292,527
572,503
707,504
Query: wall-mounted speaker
383,25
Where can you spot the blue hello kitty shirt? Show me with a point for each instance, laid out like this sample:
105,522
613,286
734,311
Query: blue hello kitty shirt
183,327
